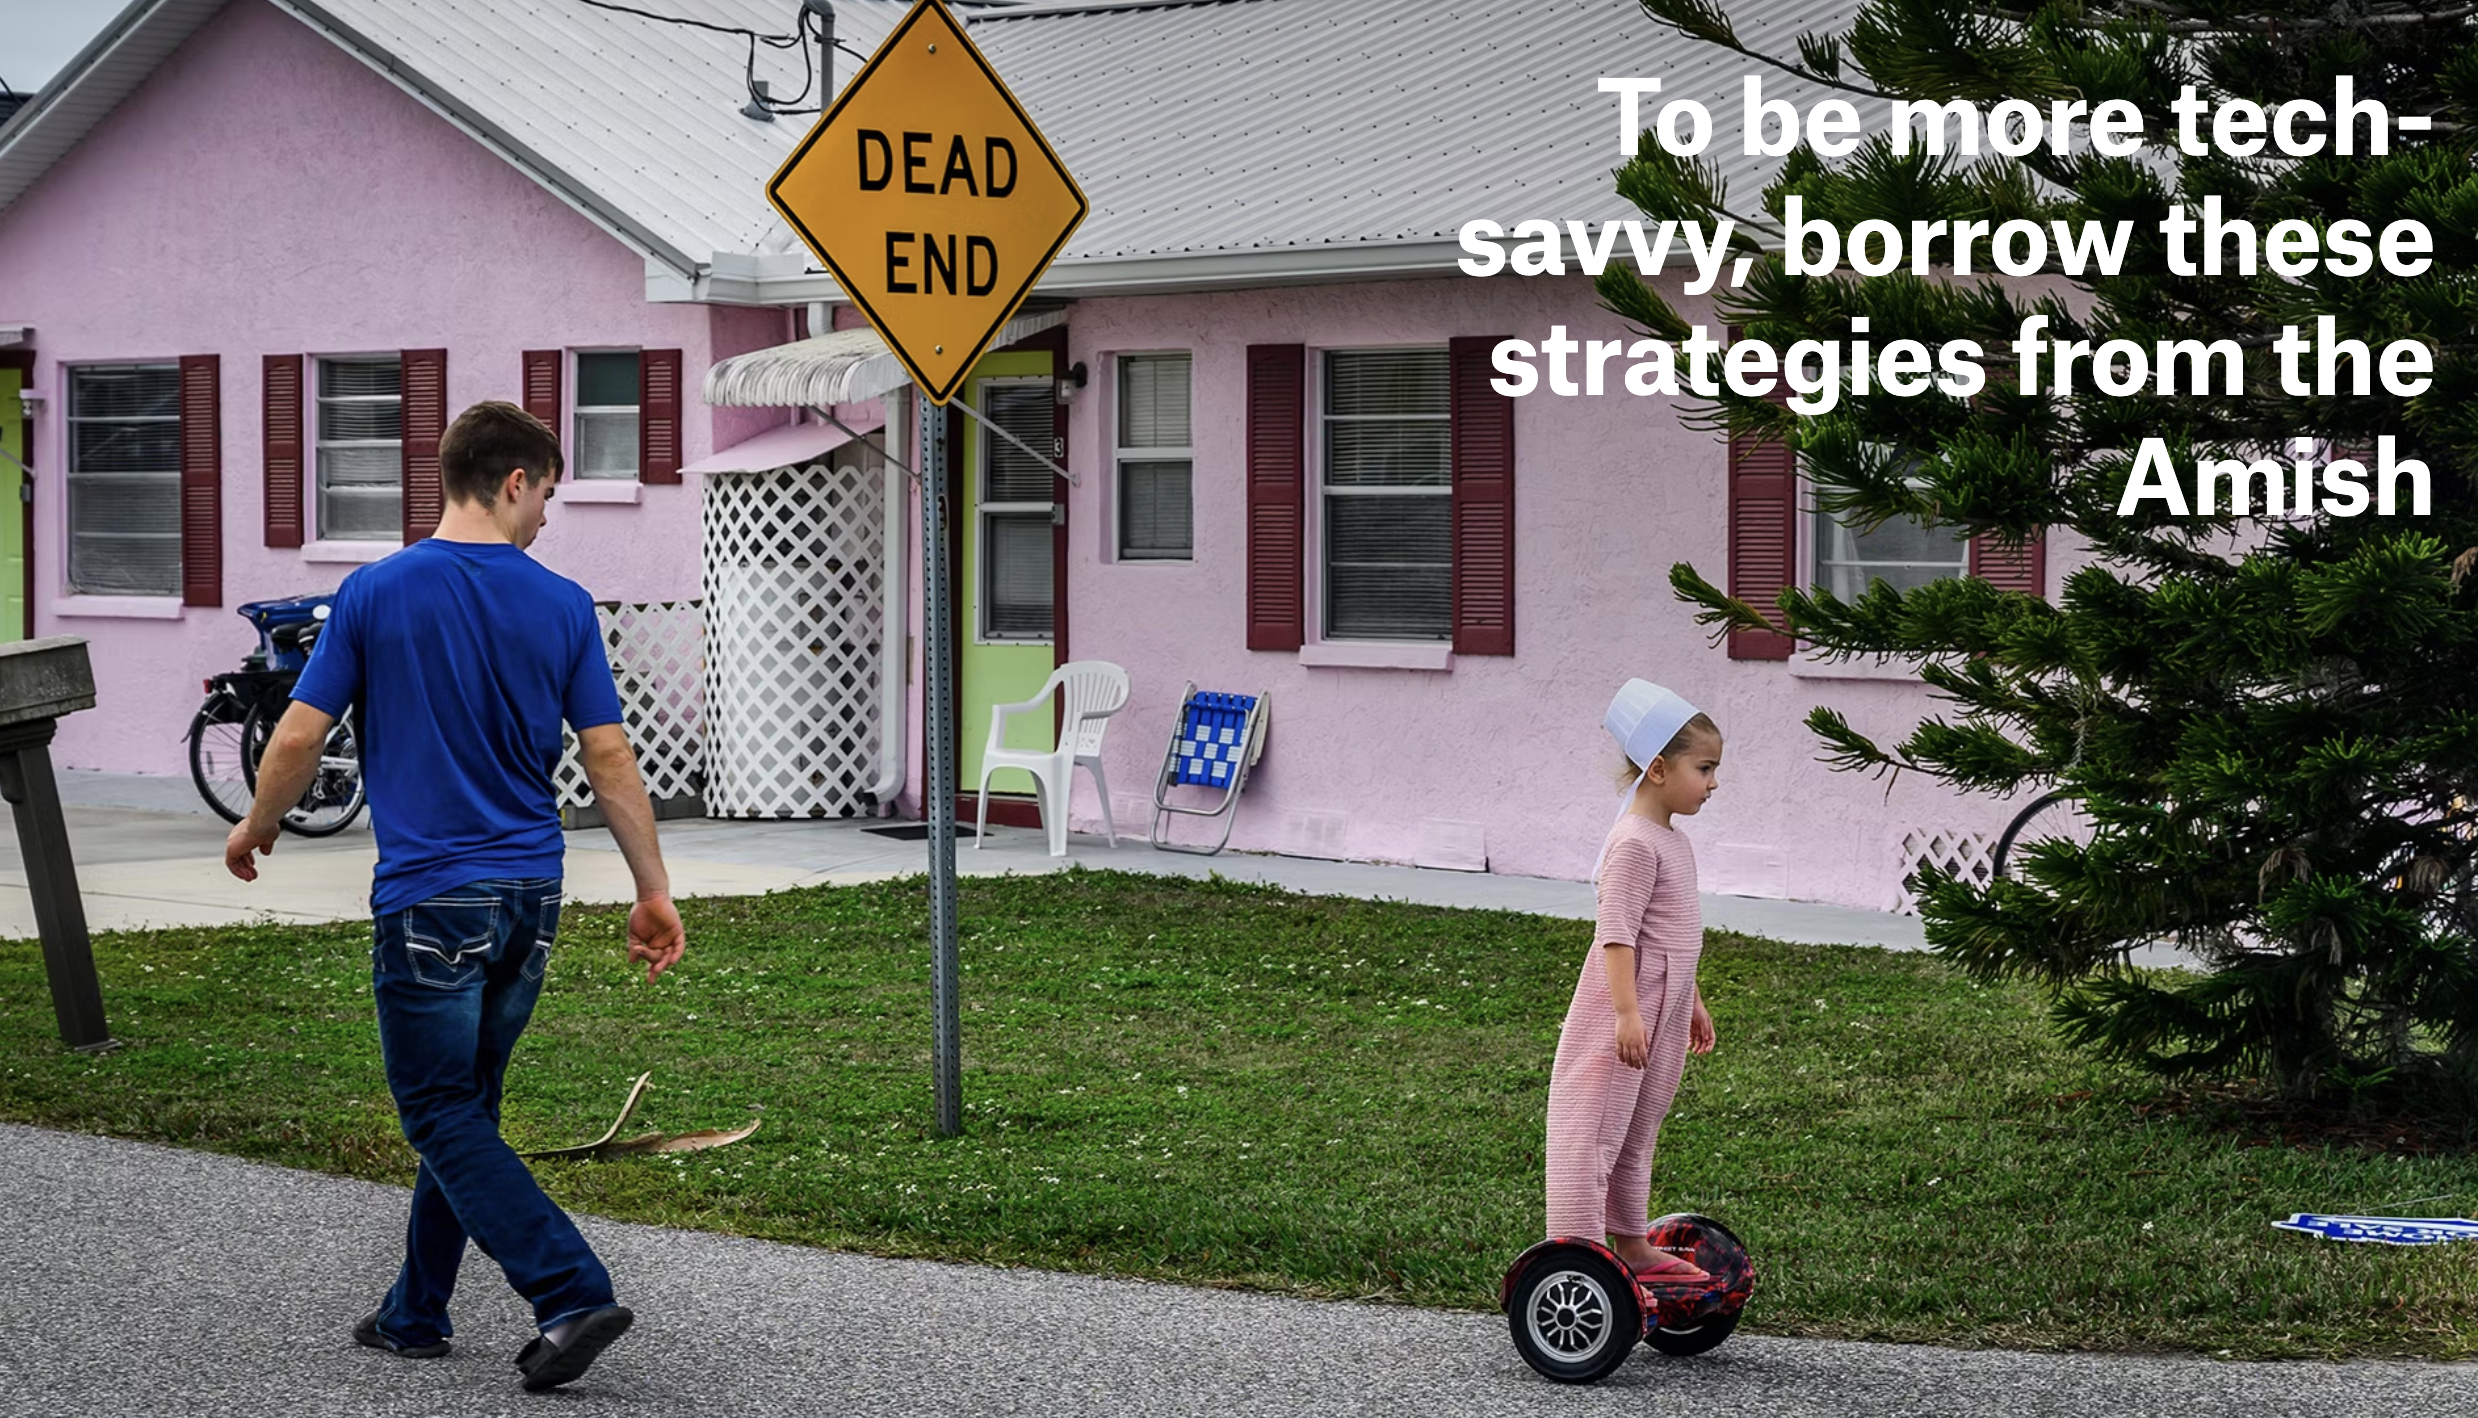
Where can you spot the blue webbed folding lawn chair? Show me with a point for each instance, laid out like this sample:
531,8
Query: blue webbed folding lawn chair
1217,740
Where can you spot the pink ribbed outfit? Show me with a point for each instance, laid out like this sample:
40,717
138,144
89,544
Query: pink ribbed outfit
1605,1116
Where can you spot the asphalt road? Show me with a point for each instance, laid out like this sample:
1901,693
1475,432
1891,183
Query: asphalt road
138,1279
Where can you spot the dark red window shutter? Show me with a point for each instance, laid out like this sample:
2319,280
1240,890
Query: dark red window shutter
542,371
1763,537
1483,443
280,385
658,416
202,481
425,419
2022,567
1277,496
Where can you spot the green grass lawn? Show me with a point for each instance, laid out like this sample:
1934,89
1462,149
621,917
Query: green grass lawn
1227,1085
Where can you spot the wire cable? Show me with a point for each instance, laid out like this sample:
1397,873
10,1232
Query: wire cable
787,107
779,41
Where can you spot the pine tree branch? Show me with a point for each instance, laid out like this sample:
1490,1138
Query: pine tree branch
2268,727
1697,19
2182,20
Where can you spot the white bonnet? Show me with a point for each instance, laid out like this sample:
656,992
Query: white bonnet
1644,717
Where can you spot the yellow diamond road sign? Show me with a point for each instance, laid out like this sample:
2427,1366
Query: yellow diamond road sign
929,193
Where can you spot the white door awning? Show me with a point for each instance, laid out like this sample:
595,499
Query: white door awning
12,335
842,367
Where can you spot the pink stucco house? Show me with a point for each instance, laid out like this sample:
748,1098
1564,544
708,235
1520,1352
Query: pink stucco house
255,251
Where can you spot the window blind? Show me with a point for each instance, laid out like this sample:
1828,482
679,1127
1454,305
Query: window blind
1153,401
125,480
1017,584
361,449
1155,461
1028,411
1388,482
607,395
1903,553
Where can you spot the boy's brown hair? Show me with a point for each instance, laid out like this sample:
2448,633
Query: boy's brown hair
489,441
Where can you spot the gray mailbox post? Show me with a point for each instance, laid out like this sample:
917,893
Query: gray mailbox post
40,680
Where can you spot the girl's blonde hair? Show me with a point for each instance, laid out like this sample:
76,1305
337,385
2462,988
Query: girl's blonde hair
1687,733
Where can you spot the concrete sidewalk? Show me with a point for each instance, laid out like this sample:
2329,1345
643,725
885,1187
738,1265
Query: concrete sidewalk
150,854
139,1279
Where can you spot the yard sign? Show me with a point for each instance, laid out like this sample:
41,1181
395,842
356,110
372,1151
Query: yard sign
929,193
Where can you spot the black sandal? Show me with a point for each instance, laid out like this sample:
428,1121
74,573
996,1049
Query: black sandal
548,1364
367,1334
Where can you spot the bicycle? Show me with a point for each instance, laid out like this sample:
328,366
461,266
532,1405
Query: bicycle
229,733
2058,815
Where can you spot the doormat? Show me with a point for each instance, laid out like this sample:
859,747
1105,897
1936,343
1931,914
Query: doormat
913,831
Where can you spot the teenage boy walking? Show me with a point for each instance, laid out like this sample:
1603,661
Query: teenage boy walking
461,655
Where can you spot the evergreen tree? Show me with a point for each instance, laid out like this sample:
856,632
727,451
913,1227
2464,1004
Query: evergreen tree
2272,723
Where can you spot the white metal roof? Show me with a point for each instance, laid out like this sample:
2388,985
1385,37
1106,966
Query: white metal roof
1217,125
1220,141
1260,141
634,122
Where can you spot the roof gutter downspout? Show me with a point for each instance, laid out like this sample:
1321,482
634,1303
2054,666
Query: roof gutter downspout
895,584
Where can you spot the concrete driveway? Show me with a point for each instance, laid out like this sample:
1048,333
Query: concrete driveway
150,854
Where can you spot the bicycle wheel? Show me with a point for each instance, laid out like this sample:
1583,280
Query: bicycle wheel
335,795
218,762
2057,816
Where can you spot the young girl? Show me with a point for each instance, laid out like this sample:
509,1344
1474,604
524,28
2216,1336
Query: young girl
1637,1012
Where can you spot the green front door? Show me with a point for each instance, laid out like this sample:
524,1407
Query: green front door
1007,577
12,506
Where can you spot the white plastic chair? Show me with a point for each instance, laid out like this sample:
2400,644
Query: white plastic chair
1094,690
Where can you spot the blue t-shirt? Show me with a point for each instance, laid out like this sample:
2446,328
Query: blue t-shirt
462,658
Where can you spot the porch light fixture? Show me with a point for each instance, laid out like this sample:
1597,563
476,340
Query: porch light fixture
1075,378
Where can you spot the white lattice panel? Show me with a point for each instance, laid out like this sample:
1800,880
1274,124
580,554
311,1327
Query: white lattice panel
795,602
1968,855
658,660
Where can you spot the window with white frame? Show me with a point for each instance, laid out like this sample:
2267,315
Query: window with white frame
608,392
1017,593
1902,552
125,480
1387,495
361,448
1156,460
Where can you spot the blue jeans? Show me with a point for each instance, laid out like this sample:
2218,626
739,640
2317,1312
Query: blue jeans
455,978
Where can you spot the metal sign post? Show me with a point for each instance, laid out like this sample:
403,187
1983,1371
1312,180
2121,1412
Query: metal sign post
937,651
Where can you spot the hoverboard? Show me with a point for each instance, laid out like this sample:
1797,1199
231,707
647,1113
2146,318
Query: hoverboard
1576,1310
